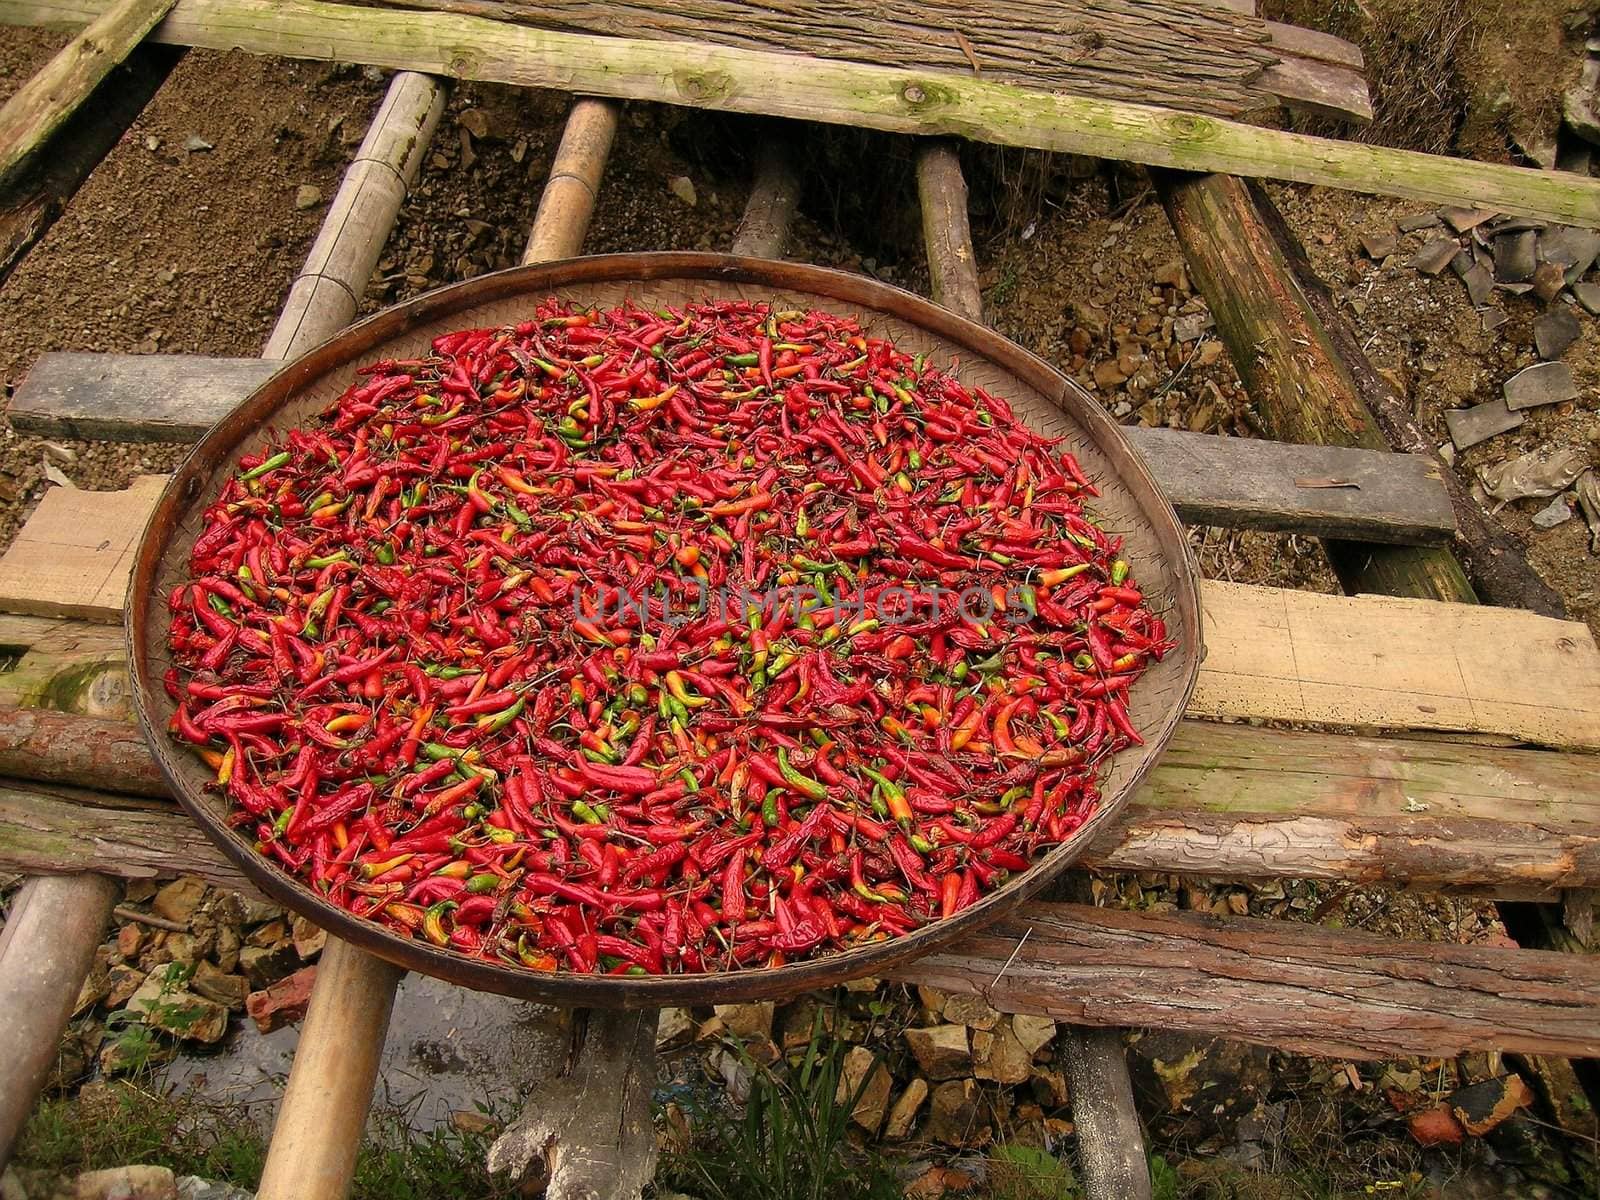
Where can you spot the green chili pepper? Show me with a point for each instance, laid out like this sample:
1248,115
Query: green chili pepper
814,788
270,464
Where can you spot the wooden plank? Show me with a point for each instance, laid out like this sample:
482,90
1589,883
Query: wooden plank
1233,801
44,103
1243,483
75,552
133,397
1275,983
1383,662
1179,52
1293,41
1273,654
875,97
32,205
1236,482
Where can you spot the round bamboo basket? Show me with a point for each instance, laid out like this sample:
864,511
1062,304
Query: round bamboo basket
1130,505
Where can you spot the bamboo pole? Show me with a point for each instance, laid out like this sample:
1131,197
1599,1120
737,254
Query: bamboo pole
56,921
570,193
1110,1142
325,295
774,196
324,1109
42,105
840,93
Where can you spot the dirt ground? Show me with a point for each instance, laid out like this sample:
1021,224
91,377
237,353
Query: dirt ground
187,237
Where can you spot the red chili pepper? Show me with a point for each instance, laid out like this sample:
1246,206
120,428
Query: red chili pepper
450,627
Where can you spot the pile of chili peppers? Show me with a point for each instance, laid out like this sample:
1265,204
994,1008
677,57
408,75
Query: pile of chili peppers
457,656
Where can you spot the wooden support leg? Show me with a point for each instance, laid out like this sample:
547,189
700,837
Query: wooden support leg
764,228
1110,1142
324,1110
48,944
589,1129
946,229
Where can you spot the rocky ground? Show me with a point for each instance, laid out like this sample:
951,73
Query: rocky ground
185,240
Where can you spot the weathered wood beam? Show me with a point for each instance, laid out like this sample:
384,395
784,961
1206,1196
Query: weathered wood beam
79,751
1299,987
1234,482
1233,801
44,103
1494,560
873,97
1175,52
44,186
1311,384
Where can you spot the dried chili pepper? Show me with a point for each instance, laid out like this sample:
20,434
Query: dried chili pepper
450,653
